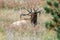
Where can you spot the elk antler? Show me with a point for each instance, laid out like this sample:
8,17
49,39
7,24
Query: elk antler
29,10
37,10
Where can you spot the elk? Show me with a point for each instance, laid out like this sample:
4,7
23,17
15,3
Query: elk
21,24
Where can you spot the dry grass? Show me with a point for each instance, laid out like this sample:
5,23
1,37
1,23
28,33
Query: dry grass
8,16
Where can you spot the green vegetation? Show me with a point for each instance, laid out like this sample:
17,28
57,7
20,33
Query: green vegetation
53,8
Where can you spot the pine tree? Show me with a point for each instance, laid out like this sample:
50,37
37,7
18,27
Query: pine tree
53,8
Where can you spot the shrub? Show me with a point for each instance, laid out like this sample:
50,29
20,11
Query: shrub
53,8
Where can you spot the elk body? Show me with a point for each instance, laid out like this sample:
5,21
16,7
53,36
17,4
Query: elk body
21,23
